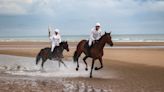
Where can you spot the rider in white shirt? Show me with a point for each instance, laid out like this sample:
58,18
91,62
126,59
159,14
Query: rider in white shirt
55,39
96,34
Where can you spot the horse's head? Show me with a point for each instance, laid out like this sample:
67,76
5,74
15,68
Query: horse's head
65,46
108,38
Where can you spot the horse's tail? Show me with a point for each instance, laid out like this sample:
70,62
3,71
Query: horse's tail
75,56
79,50
38,57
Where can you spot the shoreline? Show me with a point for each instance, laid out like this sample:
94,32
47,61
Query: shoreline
146,43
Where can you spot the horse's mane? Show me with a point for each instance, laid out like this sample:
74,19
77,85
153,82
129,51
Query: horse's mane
61,43
102,37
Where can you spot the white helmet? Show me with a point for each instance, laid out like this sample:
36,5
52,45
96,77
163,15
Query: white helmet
98,24
57,30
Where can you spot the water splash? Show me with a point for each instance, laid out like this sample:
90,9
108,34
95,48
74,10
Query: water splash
26,66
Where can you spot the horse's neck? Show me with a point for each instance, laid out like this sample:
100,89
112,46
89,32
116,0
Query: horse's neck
101,43
61,49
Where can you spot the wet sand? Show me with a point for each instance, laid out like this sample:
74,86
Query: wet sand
125,70
130,52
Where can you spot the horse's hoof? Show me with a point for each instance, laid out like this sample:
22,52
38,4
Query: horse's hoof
96,68
86,69
77,69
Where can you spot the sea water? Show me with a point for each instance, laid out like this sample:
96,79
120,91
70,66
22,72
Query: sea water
138,38
76,38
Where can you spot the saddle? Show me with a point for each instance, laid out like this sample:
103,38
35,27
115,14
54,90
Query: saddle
57,54
88,48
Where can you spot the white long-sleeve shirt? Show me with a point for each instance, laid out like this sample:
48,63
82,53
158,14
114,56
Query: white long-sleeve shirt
55,39
95,35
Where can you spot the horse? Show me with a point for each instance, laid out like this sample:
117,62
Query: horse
57,54
96,51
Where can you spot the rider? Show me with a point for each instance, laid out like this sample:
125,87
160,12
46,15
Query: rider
55,38
96,34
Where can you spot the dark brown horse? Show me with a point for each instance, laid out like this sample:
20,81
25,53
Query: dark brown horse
96,51
46,53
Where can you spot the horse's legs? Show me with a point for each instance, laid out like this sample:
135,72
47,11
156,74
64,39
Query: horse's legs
43,61
93,61
62,62
78,55
96,68
77,68
85,62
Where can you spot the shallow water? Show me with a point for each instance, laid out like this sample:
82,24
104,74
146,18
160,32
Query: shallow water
17,65
21,73
26,66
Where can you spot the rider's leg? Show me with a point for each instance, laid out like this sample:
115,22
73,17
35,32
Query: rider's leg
90,42
52,49
89,47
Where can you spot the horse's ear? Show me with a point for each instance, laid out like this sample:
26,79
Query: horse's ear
105,32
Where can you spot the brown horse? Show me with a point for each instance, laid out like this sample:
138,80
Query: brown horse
96,51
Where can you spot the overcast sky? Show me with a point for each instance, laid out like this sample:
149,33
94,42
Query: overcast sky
32,17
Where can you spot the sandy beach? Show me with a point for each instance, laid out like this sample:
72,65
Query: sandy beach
128,67
130,52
